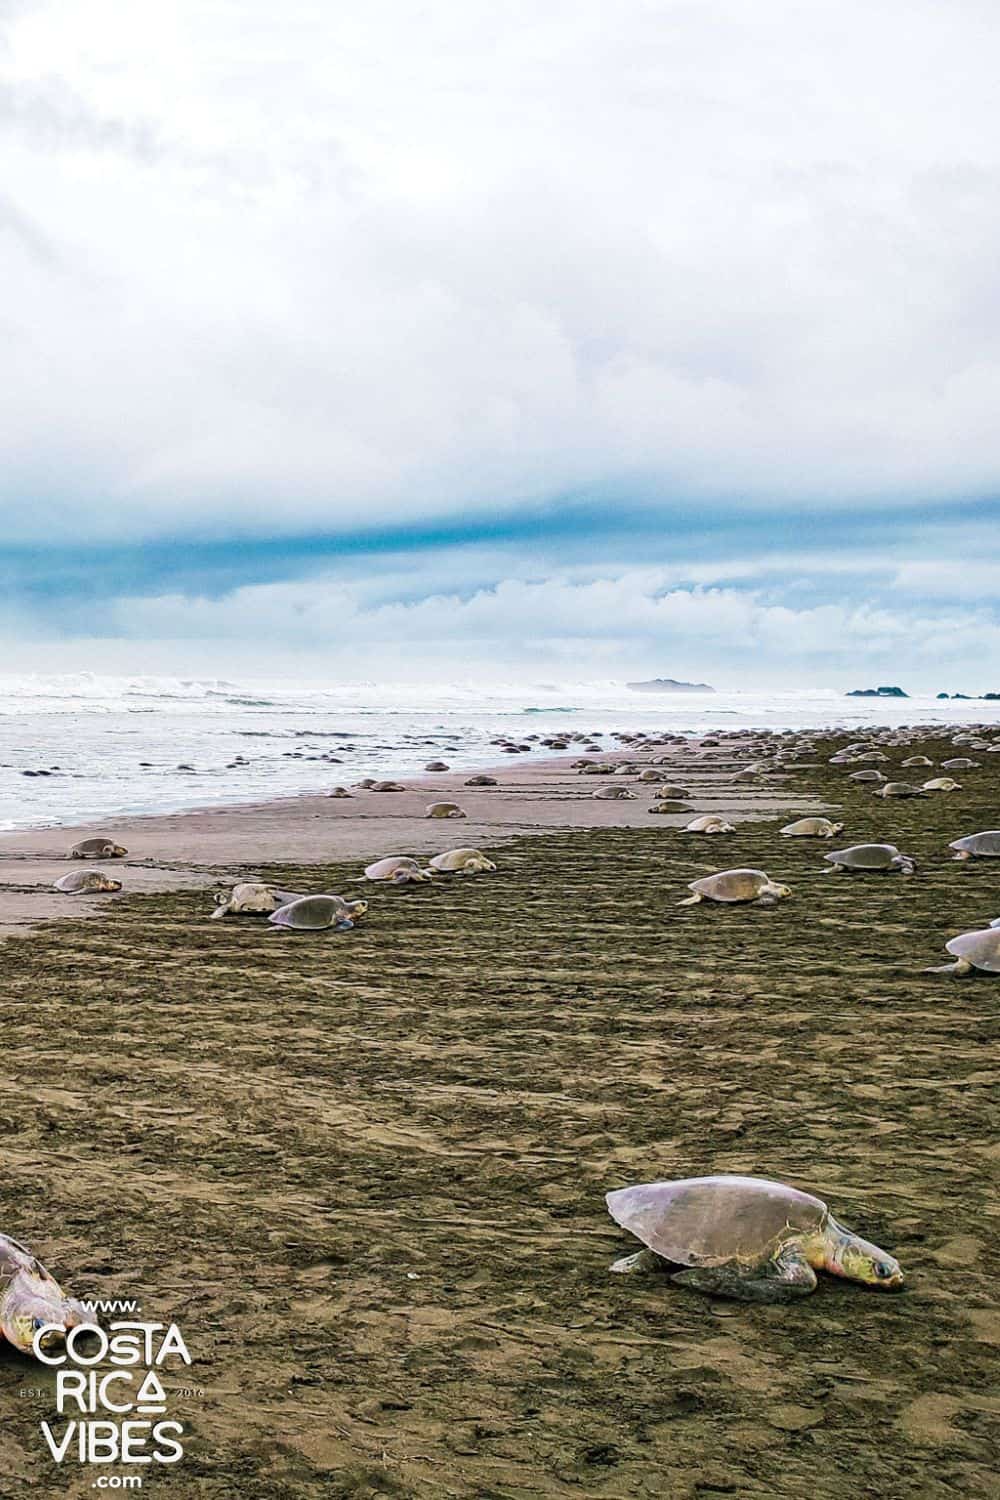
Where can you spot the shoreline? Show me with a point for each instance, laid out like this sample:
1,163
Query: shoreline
365,1172
220,842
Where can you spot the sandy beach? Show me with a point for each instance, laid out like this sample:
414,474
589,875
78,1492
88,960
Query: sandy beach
365,1172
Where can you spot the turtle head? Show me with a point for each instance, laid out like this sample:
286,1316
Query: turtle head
34,1306
849,1255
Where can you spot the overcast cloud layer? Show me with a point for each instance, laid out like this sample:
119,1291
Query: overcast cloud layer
560,320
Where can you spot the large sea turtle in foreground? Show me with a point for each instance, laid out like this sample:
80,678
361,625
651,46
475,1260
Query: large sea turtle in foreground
100,847
744,1237
869,857
978,845
31,1299
731,886
973,951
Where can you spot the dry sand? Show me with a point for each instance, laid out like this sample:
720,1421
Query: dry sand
366,1172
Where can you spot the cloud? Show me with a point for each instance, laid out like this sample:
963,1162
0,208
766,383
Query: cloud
392,265
637,622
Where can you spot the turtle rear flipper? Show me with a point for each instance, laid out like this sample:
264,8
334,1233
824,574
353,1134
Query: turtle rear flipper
642,1263
787,1276
961,966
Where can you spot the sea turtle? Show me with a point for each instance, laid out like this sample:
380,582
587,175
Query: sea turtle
481,781
958,763
899,789
462,862
339,791
870,857
100,847
615,794
650,775
82,882
444,810
251,898
671,790
595,768
744,1237
942,784
436,765
709,823
813,828
32,1299
386,786
978,845
736,885
312,913
867,776
396,868
973,950
917,760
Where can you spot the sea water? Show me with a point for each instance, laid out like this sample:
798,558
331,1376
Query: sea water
117,745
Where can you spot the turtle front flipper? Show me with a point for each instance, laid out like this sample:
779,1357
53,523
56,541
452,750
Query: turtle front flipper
787,1276
959,967
691,900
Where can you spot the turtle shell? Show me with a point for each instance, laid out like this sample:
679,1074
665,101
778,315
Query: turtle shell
385,869
457,859
731,885
310,913
706,1221
981,949
97,848
866,856
900,789
704,822
866,776
986,845
444,810
808,828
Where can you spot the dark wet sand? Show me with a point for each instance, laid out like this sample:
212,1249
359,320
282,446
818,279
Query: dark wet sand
366,1172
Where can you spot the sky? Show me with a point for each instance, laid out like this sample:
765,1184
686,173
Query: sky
597,338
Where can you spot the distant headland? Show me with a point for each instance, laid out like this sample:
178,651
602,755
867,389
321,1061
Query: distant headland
897,692
669,685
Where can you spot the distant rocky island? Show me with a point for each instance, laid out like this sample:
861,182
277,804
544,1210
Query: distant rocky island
669,685
879,692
